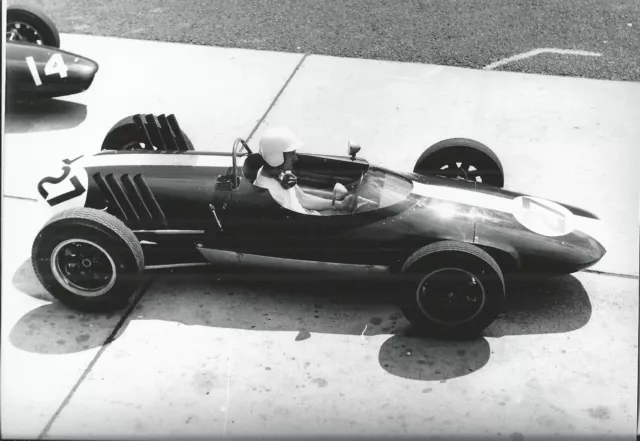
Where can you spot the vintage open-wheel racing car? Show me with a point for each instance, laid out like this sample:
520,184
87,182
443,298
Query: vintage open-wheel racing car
36,66
445,234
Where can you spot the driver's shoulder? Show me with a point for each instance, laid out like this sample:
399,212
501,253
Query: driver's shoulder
262,180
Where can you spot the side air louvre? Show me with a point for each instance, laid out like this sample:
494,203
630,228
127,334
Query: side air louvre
162,132
131,200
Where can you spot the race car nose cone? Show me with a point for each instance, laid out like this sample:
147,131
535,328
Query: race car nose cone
84,68
595,255
595,234
589,250
600,250
82,73
45,72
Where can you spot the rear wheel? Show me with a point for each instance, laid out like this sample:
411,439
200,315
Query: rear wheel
461,158
124,135
88,260
453,289
30,24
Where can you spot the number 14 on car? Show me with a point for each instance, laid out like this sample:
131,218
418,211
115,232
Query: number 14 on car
55,65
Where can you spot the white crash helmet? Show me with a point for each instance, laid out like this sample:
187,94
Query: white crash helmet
275,142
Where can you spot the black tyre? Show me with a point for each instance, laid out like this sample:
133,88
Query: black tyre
88,260
454,289
28,23
124,135
462,158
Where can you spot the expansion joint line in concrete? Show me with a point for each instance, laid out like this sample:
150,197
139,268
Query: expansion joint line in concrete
20,198
611,274
109,340
273,103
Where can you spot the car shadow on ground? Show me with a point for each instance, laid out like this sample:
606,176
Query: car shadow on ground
306,308
43,115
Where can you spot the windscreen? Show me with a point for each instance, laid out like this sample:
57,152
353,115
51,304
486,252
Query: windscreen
380,189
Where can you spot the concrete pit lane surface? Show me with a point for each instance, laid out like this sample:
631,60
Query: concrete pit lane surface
201,357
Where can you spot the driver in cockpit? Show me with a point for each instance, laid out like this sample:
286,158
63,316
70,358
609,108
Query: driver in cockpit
278,147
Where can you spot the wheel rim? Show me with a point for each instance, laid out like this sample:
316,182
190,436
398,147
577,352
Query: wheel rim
466,171
83,267
134,146
21,31
450,296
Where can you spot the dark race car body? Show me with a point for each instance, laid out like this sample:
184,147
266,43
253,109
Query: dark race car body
181,201
35,71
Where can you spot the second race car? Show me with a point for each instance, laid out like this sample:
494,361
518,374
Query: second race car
36,67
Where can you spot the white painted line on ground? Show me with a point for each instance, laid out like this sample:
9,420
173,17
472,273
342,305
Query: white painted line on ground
20,198
535,52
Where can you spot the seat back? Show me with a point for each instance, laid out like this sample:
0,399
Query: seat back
252,165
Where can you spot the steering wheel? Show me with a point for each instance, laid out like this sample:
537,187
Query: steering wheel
234,161
234,155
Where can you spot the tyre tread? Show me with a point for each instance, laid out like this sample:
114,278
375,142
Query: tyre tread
128,121
111,222
452,246
467,330
107,225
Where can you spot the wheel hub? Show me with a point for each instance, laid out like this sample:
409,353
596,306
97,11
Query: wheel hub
450,296
22,32
461,171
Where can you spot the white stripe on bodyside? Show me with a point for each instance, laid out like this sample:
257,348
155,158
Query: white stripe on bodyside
159,159
467,197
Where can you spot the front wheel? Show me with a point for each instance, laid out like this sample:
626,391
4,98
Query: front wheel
453,289
88,260
461,158
30,24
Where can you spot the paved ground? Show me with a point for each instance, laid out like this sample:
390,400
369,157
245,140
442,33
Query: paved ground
466,33
199,357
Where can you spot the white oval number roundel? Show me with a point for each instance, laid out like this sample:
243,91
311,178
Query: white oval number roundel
542,216
66,189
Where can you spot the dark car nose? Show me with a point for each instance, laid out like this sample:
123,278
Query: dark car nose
44,72
83,69
592,256
590,233
82,73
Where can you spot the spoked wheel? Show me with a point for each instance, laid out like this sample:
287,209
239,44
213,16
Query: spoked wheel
29,24
454,289
83,267
126,135
461,158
